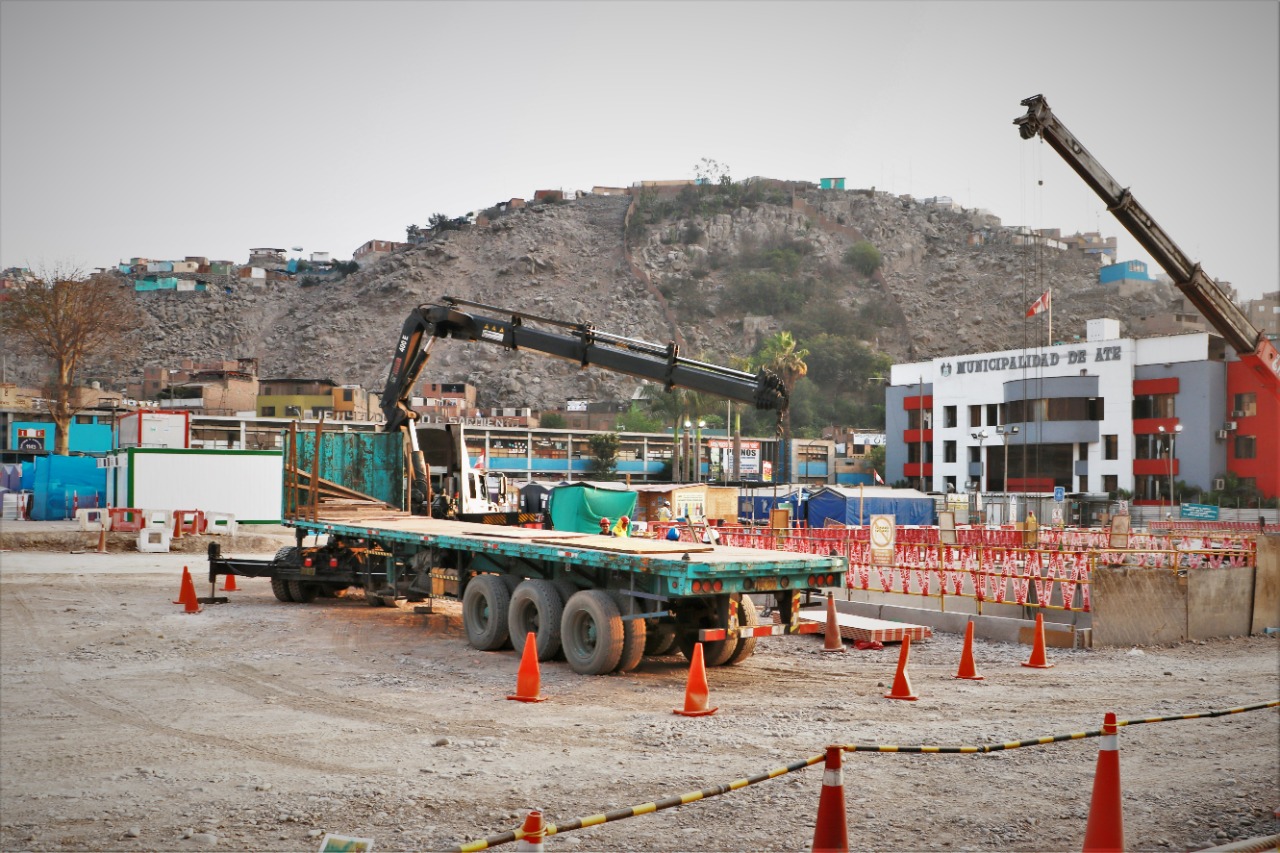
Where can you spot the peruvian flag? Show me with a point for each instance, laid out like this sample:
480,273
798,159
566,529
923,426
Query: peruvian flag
1040,305
479,463
879,479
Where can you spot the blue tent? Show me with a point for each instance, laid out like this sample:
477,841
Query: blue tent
854,507
754,504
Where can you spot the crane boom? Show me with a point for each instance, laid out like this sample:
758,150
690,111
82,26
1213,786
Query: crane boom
578,342
1203,292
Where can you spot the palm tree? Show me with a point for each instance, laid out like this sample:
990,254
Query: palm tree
781,355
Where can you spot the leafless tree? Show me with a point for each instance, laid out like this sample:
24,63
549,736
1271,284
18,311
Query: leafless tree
68,317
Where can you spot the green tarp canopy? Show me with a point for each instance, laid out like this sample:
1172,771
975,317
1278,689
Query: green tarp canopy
580,507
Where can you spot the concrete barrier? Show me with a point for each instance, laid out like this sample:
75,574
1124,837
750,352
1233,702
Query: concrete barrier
93,518
219,523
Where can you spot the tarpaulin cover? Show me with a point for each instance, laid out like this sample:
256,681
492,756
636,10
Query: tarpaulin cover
856,506
755,505
579,507
60,483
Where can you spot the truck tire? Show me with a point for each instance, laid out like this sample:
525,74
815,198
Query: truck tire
484,612
660,638
536,606
303,592
281,589
693,617
633,635
288,555
591,632
748,618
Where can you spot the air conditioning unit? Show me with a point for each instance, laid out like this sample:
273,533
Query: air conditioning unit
1222,435
1229,426
1219,485
1237,414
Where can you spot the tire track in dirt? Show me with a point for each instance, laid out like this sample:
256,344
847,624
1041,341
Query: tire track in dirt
102,707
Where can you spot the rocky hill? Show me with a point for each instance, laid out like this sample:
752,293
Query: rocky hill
951,281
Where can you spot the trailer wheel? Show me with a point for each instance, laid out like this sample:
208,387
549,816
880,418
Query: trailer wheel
660,638
484,612
692,617
281,589
747,618
303,592
536,606
591,631
633,635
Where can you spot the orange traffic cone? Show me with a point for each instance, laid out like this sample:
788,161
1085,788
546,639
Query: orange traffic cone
529,678
186,585
967,669
531,833
102,537
177,526
831,833
229,585
696,691
832,642
1105,829
902,684
1037,651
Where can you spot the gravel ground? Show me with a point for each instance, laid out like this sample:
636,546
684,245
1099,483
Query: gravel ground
126,724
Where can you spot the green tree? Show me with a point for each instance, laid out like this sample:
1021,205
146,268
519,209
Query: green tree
552,420
863,257
780,354
604,454
68,318
636,419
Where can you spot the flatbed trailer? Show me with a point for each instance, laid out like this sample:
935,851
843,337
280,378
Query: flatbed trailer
602,601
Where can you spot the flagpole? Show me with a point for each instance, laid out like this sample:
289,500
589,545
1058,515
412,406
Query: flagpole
1050,291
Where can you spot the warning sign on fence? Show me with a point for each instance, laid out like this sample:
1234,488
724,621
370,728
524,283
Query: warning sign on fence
883,538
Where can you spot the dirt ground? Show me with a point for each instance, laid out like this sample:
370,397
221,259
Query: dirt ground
126,724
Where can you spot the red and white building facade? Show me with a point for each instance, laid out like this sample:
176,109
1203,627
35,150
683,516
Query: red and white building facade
1091,416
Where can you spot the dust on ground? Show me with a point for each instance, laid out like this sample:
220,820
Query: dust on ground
126,724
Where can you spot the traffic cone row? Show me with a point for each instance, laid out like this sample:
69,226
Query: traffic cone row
533,830
696,692
229,583
187,593
1038,660
1105,828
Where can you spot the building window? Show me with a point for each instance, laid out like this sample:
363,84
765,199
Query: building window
347,395
1111,449
1110,483
993,413
1245,405
1153,406
975,416
268,411
948,451
949,417
975,453
1246,447
949,483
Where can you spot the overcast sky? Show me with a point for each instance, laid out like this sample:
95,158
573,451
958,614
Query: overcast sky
164,129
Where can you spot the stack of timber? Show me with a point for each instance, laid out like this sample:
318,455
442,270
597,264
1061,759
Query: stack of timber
331,500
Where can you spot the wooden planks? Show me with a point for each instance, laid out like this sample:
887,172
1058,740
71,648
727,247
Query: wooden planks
867,629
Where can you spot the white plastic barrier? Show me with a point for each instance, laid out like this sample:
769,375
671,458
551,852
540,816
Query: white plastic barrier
219,523
153,540
93,518
158,518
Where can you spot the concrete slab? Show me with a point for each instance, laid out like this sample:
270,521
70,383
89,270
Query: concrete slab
868,629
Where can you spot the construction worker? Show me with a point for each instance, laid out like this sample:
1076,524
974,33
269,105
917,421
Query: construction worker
623,527
605,529
664,512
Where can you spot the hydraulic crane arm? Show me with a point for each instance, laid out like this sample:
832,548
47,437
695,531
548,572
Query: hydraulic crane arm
1251,344
577,342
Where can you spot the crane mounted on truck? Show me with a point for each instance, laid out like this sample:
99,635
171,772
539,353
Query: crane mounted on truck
602,602
578,342
1251,344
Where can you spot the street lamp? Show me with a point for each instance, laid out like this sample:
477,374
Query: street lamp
981,436
1173,437
684,448
1006,431
697,452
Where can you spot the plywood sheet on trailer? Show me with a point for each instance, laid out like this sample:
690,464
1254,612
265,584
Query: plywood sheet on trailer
424,526
865,628
626,545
